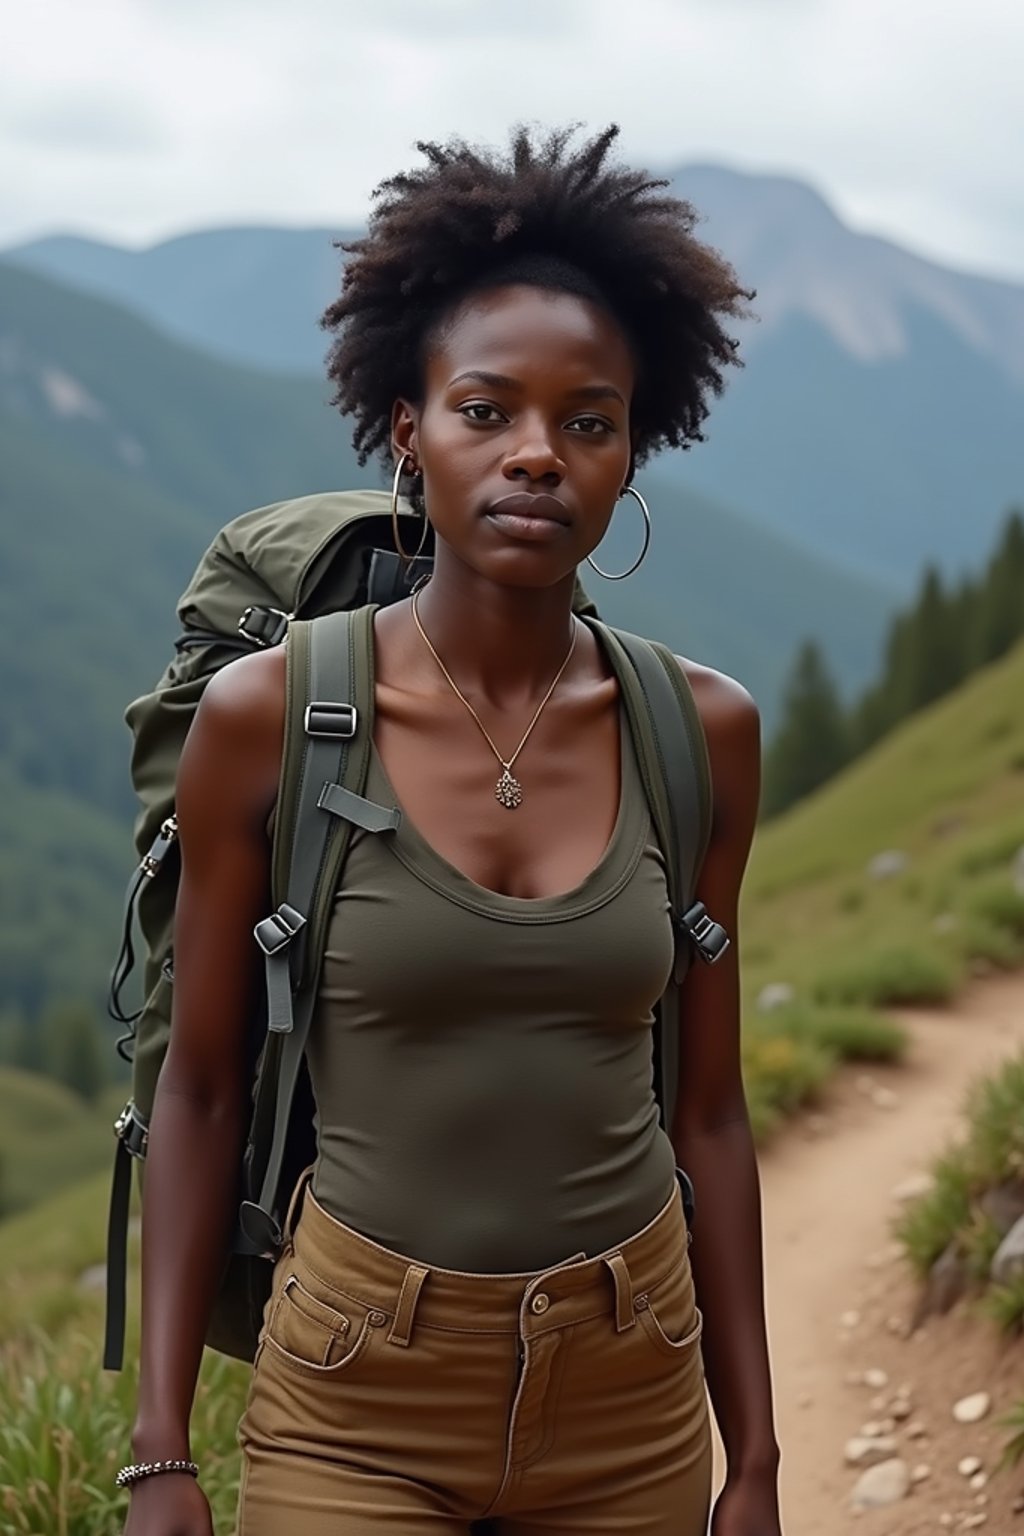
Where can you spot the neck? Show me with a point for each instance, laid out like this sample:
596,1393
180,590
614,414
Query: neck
502,644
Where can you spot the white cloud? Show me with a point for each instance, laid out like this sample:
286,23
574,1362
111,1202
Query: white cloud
133,119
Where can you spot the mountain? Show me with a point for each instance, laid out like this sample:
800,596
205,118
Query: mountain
121,453
878,422
879,416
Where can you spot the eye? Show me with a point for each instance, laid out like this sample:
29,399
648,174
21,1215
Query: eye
480,411
591,426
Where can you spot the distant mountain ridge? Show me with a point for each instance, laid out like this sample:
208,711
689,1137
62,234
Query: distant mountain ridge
786,239
878,420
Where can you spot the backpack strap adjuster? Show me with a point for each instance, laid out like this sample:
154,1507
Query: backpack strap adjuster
708,938
132,1131
361,812
335,721
164,839
264,627
276,932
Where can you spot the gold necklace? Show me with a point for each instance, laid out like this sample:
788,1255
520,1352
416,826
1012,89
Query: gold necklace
508,791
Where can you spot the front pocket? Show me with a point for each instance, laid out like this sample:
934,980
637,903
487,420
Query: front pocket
669,1313
657,1335
312,1336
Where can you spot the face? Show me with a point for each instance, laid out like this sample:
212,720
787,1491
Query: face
523,434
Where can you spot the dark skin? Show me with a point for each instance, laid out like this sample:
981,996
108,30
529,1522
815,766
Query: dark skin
524,390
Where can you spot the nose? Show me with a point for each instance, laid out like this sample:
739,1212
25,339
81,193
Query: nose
535,456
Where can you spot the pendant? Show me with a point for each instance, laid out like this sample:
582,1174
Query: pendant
508,791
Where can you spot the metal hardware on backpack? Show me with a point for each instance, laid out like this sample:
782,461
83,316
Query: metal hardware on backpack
317,558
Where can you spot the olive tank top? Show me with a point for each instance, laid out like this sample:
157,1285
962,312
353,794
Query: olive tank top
481,1064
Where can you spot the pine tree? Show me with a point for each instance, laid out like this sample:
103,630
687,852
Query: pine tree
812,742
938,649
1000,619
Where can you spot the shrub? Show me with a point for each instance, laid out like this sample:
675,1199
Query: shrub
995,1111
781,1072
1013,1451
1005,1305
849,1034
877,978
980,940
991,1154
928,1225
999,905
992,852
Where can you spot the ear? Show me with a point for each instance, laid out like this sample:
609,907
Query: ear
631,471
404,429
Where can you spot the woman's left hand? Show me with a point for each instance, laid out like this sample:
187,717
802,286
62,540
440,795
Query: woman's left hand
747,1506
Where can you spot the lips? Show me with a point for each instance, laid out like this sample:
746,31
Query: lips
536,505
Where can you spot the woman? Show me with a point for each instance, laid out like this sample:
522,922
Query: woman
486,1307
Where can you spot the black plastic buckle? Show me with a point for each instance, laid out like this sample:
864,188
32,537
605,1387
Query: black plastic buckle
264,627
335,721
276,932
132,1130
708,938
261,1232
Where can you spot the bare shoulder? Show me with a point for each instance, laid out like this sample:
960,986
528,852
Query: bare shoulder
244,702
232,756
726,709
732,729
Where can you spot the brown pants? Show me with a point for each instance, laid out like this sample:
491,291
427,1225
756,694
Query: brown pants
389,1396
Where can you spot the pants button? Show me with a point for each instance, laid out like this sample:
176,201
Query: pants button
376,1319
540,1303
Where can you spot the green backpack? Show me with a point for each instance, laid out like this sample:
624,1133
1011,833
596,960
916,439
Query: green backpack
312,571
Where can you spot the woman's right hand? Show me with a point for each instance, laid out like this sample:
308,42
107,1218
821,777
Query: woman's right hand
168,1504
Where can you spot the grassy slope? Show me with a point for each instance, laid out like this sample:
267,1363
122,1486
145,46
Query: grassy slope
47,1133
947,789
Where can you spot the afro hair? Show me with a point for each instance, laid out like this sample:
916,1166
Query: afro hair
547,214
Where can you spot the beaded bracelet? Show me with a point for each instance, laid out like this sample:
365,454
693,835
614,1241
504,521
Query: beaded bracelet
141,1469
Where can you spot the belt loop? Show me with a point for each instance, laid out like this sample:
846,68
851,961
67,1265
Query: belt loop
625,1316
401,1328
288,1230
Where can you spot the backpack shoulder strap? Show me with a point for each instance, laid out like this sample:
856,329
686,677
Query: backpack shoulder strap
671,751
328,733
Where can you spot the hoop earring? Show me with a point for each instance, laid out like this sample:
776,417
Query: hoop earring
629,490
407,559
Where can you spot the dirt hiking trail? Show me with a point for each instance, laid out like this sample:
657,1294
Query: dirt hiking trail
840,1299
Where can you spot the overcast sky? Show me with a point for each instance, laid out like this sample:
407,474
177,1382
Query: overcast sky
131,120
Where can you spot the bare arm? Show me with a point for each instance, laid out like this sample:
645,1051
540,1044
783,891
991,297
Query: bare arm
226,786
712,1133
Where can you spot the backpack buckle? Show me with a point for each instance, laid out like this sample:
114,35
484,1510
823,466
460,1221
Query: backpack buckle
261,1231
132,1130
167,835
264,627
334,721
276,932
708,938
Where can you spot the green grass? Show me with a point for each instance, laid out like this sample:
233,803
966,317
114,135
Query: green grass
1005,1305
65,1424
49,1137
1013,1451
947,790
887,976
991,1153
64,1431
